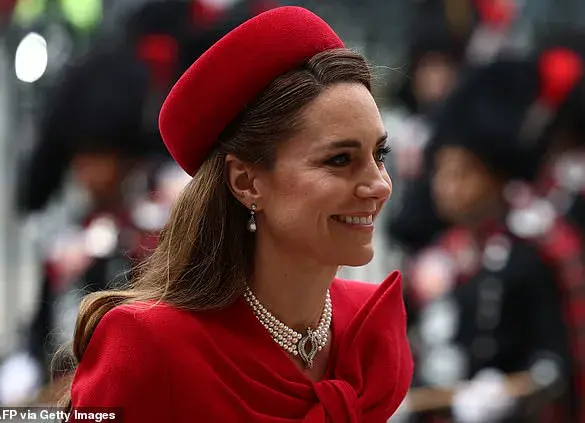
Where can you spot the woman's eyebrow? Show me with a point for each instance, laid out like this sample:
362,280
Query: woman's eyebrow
349,143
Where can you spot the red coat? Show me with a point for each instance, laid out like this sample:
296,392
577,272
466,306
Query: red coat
167,365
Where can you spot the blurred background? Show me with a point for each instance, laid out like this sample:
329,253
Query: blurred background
486,226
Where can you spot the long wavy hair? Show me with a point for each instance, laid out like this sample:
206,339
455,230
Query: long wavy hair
205,254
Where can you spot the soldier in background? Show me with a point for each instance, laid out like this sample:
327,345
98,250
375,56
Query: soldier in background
447,37
91,144
494,295
435,58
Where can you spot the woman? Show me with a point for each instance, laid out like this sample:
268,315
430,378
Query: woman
237,315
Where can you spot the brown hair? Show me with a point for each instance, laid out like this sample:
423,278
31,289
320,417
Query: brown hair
205,254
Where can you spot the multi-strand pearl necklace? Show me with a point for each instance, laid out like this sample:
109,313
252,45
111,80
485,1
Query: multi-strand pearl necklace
290,340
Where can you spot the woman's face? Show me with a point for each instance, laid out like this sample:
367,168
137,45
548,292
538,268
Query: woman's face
330,174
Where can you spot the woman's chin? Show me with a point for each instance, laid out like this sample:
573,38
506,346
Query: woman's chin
358,258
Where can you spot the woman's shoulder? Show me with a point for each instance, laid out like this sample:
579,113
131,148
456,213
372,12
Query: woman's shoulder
131,340
153,319
126,363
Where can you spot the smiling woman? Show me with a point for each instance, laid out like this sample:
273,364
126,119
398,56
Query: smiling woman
238,315
330,173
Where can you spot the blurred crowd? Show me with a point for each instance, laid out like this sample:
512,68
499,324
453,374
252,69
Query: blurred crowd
484,101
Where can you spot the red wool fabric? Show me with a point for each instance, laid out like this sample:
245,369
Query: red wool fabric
232,73
161,364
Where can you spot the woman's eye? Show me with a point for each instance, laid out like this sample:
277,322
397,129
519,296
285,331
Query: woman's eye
345,158
381,153
339,160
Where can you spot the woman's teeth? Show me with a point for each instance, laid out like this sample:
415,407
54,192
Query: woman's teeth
355,220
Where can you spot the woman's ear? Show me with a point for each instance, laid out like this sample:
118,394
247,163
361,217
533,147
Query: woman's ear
240,179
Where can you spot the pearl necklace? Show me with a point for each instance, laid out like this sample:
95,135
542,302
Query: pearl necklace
289,339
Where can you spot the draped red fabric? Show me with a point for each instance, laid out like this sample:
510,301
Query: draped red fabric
163,364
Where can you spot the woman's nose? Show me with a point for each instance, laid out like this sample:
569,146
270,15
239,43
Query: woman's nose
376,185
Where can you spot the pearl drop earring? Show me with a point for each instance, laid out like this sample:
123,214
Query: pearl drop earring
252,222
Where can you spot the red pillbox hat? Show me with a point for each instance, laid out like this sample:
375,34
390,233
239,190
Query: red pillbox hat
232,73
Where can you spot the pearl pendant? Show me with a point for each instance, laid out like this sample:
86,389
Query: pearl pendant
252,225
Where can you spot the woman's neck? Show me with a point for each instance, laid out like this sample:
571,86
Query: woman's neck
292,287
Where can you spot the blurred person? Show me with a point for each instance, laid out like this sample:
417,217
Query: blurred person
436,53
71,125
494,293
91,143
447,38
237,315
461,34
